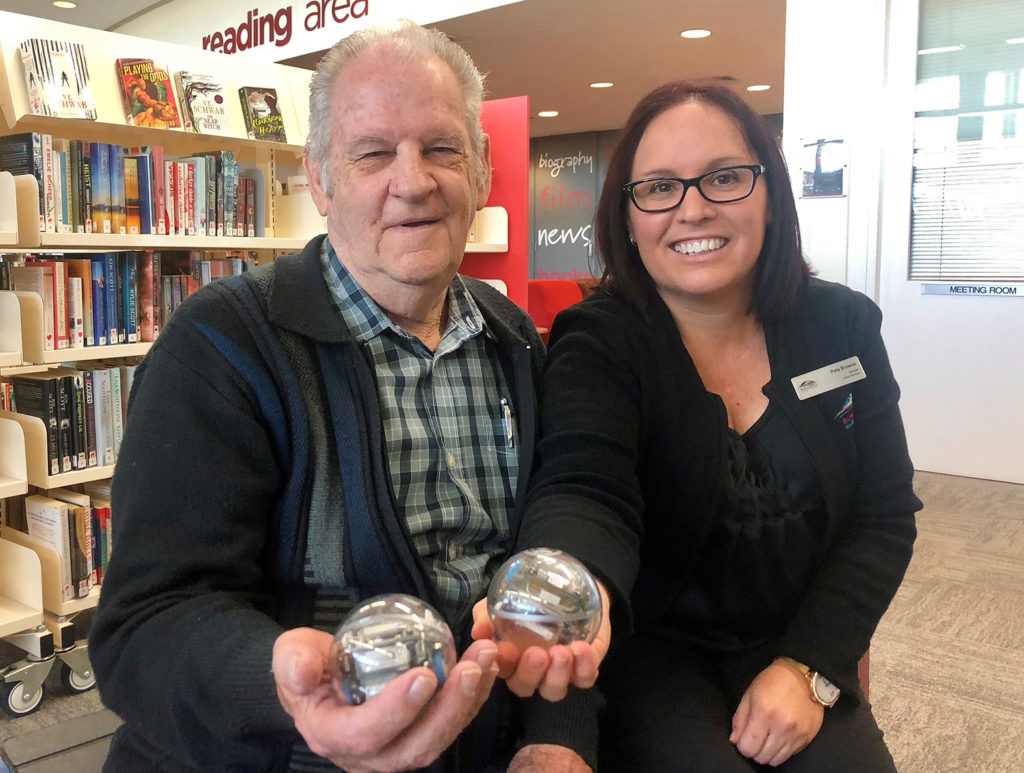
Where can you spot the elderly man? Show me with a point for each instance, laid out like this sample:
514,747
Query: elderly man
327,428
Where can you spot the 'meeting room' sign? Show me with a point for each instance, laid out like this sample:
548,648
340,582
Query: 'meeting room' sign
974,290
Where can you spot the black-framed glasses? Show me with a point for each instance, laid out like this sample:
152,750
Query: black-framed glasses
722,186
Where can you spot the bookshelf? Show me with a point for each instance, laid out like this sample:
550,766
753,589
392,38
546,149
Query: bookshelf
37,473
10,329
21,602
8,210
13,466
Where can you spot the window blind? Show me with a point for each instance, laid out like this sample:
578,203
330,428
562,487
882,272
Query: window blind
967,214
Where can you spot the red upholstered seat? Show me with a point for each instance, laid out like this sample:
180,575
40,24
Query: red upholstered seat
547,297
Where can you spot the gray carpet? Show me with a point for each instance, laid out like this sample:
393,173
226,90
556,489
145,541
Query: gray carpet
947,672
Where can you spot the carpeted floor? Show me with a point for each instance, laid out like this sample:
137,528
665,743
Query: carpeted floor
947,671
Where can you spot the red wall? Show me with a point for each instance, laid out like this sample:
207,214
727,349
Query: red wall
507,121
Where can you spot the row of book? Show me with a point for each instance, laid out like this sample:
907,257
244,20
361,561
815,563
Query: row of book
82,410
114,297
58,83
77,524
98,187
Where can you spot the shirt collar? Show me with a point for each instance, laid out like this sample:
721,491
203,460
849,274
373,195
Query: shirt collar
366,320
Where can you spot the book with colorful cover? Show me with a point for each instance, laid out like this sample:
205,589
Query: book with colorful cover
263,119
57,78
203,104
147,94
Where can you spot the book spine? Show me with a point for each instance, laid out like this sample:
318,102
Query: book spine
159,189
144,284
76,540
170,187
118,216
47,520
130,295
79,437
38,171
132,200
110,283
61,192
167,306
240,229
180,185
211,196
99,301
65,447
147,215
104,418
102,222
190,197
221,194
76,313
75,184
158,306
49,184
88,385
87,186
115,409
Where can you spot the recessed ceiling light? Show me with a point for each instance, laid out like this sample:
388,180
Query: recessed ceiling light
64,4
941,49
759,87
547,113
1014,41
602,85
693,34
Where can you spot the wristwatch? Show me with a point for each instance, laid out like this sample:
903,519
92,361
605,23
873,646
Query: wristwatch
822,690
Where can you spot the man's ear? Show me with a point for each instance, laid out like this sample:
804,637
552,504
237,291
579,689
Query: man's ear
316,187
483,190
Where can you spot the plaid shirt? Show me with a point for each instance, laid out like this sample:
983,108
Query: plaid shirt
446,421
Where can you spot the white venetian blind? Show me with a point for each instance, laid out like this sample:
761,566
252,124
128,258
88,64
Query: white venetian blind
967,221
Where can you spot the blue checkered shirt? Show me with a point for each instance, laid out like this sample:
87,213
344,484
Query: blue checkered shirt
453,468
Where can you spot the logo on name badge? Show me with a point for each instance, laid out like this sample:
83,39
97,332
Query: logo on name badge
833,376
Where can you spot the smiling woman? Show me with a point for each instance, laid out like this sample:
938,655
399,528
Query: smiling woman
758,533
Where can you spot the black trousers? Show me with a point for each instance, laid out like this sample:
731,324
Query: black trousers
670,711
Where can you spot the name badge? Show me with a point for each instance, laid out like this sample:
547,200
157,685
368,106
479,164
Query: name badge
830,377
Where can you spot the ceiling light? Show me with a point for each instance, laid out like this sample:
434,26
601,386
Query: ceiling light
64,4
759,87
694,34
1014,41
602,85
940,49
547,113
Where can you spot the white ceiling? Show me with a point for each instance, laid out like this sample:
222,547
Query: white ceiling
551,50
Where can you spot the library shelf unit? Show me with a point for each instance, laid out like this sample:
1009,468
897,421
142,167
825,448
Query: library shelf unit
8,210
31,584
10,329
37,472
13,465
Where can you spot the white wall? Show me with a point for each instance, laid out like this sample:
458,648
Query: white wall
850,70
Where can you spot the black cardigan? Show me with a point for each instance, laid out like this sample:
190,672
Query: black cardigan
632,463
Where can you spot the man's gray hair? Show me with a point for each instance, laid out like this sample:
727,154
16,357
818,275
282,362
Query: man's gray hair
410,43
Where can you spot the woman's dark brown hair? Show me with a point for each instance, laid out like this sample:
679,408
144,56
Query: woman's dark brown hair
781,269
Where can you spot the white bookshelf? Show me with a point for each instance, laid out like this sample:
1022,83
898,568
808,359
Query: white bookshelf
52,576
21,589
36,458
13,467
8,210
10,329
31,309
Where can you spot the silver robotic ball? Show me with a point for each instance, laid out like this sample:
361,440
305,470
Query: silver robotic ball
384,637
542,597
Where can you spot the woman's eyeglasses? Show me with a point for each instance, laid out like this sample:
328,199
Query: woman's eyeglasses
722,186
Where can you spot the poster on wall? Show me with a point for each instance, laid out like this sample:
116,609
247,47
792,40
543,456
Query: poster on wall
823,168
567,172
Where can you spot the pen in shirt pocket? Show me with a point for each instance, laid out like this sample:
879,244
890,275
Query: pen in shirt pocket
506,419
